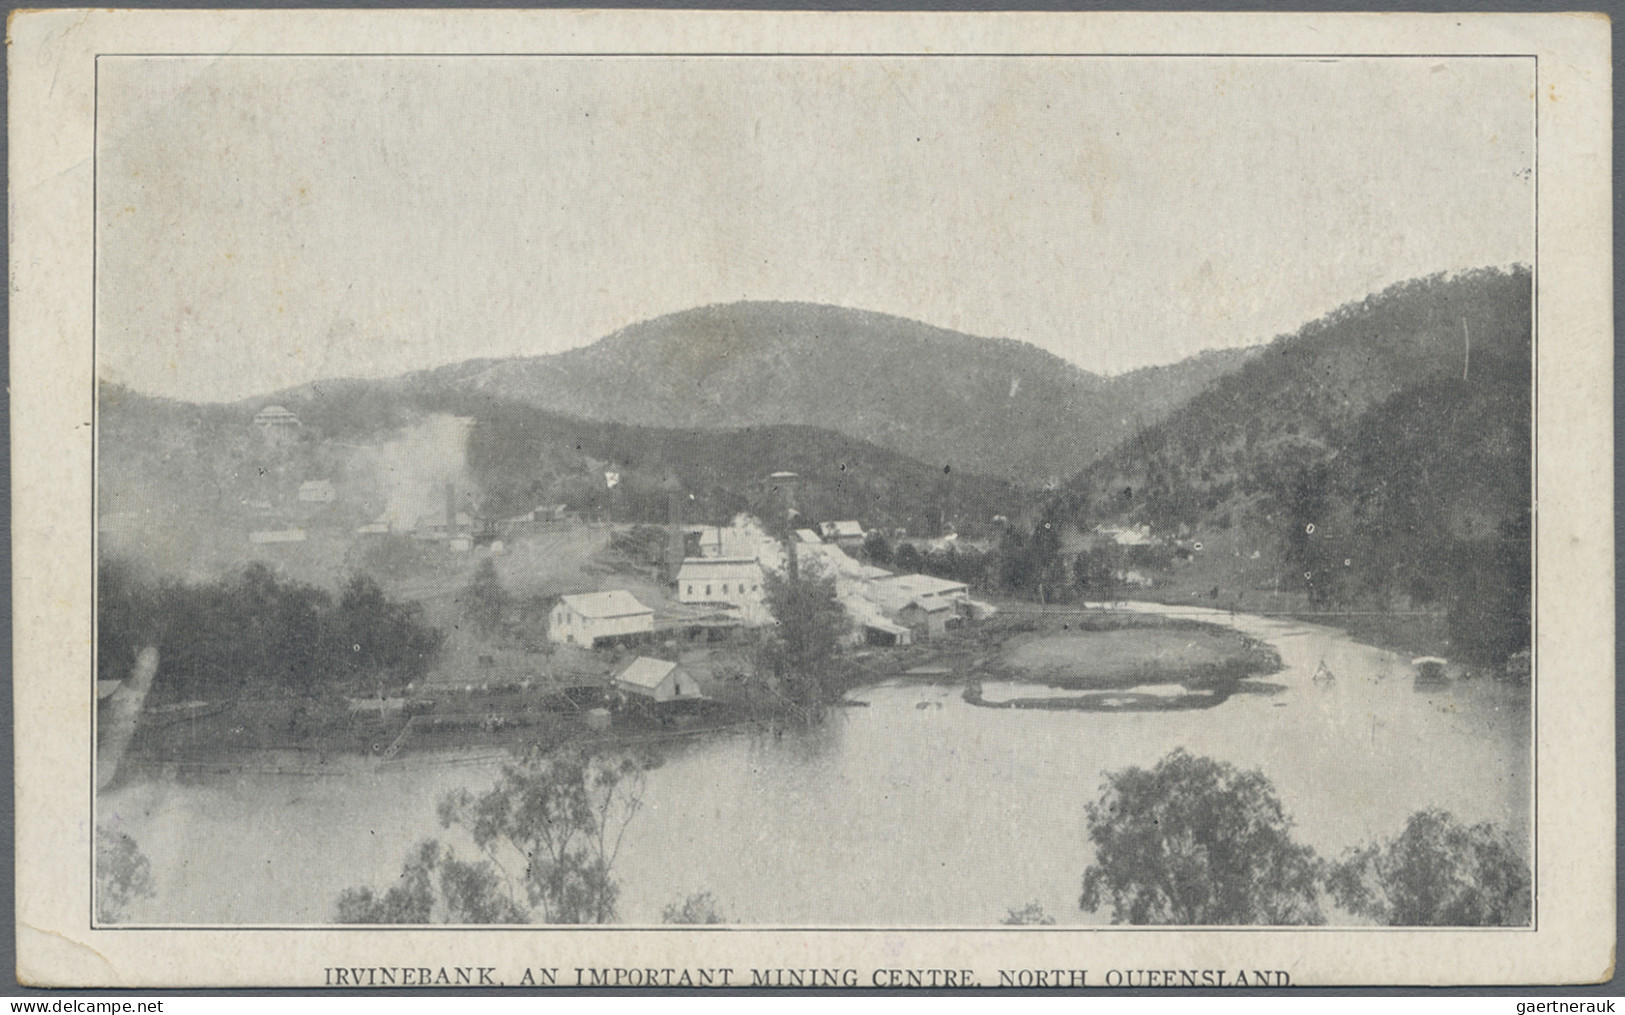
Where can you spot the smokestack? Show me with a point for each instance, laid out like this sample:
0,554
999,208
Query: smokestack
674,536
451,509
785,484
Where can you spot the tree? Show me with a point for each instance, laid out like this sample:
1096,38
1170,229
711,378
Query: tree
802,650
1437,873
1094,571
1030,915
380,639
435,887
1487,611
1196,841
876,548
253,632
552,827
485,601
699,908
906,558
123,874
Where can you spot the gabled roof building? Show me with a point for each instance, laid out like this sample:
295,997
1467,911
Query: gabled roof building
589,618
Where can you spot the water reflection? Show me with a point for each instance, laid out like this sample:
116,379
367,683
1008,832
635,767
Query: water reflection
918,809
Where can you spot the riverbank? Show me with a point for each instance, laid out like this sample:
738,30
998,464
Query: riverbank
1412,632
1088,650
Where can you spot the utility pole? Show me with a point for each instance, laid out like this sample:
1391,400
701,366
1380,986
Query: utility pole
1467,348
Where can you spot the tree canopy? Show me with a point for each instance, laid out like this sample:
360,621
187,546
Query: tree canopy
552,827
253,632
123,874
434,887
802,651
1436,873
699,908
1195,841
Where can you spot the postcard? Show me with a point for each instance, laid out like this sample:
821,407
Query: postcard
636,499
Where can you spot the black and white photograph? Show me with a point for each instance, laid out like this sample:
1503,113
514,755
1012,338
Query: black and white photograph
1023,492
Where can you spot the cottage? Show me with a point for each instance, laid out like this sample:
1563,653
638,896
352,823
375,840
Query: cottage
734,581
277,425
929,618
658,680
317,491
847,535
591,617
809,537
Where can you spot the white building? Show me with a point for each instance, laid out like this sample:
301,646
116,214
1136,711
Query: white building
275,417
317,491
658,680
923,605
591,617
277,425
733,581
1134,535
905,588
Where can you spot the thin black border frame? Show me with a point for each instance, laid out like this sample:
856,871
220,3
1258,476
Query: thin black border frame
1534,422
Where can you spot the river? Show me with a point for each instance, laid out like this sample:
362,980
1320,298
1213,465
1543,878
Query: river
918,809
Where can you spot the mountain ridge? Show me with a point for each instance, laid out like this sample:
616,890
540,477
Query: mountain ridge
999,407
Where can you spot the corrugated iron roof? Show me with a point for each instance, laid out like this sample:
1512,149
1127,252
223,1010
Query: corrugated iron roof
922,585
619,603
719,569
646,672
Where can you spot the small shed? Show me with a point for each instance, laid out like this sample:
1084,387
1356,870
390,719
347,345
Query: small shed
929,617
658,680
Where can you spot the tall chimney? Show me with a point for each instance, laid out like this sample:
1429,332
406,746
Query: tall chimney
674,535
451,509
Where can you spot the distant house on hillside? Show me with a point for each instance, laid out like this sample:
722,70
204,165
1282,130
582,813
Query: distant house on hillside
658,680
1133,535
276,423
848,535
591,617
734,581
317,491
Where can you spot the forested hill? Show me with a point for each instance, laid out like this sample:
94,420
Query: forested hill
211,460
1381,451
984,406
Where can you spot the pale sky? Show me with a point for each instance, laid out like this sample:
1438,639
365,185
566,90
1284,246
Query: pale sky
264,222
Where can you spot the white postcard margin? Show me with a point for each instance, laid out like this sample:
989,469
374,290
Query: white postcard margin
51,62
